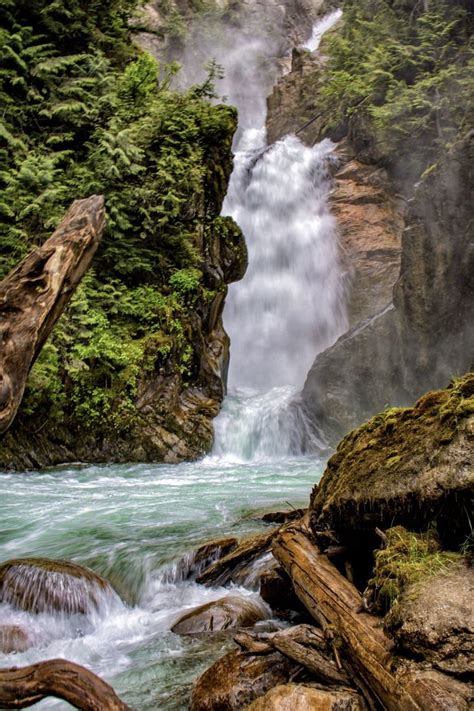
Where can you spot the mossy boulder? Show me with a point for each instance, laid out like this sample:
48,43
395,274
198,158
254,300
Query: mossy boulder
42,585
406,466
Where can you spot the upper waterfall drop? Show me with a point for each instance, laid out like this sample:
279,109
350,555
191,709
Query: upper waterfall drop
290,304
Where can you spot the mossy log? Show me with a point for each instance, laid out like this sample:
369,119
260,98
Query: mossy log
23,687
335,603
34,294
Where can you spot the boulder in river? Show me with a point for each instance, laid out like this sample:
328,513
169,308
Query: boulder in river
235,567
42,585
13,639
406,466
305,697
226,613
235,680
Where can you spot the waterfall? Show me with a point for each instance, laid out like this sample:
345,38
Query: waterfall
290,305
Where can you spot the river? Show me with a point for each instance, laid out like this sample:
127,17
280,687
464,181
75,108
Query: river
137,524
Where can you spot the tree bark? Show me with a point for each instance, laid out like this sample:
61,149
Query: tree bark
20,688
35,293
333,600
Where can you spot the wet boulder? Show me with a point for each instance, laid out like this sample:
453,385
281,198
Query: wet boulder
237,679
306,697
226,613
408,466
14,639
237,565
42,585
434,620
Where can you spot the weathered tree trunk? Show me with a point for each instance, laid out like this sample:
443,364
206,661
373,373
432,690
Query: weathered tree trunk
78,686
34,295
332,599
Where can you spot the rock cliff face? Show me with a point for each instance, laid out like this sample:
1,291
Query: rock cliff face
426,336
173,416
408,260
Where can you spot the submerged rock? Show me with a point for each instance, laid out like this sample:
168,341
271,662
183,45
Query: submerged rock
236,566
411,467
13,639
226,613
434,620
303,697
235,680
42,585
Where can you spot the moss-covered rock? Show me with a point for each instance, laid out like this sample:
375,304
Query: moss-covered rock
406,466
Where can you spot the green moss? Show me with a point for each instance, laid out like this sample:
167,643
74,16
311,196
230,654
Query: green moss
408,558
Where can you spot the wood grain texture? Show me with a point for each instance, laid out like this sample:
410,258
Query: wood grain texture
20,688
34,295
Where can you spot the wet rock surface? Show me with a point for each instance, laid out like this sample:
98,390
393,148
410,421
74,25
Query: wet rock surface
235,680
237,565
226,613
14,639
409,466
305,697
434,620
42,585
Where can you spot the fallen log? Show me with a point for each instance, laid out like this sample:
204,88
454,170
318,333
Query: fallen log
34,294
332,599
23,687
303,644
308,647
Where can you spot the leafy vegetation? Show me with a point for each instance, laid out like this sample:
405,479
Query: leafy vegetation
86,112
403,71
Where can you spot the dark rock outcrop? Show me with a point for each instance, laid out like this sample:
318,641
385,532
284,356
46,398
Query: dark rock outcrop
427,336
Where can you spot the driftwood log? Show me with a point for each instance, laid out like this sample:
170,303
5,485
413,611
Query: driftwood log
35,293
303,644
336,604
20,688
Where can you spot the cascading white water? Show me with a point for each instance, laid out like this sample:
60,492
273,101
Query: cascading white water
320,28
290,305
